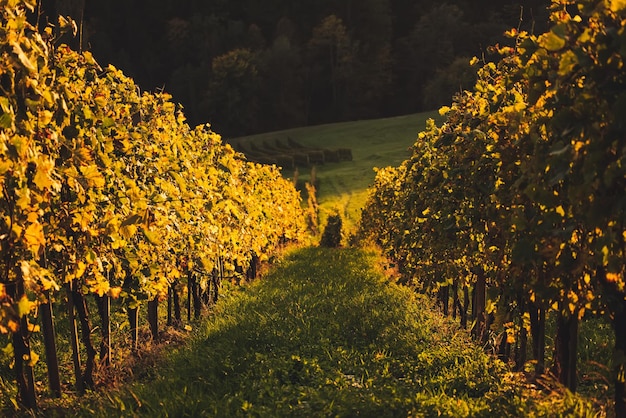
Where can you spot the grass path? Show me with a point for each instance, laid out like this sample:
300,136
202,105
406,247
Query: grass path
323,334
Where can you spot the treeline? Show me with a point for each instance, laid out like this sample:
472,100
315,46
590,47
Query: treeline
107,193
249,66
513,210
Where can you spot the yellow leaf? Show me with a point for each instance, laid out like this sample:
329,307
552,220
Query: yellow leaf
33,217
80,269
151,236
32,359
128,231
114,292
24,306
91,257
100,100
560,210
13,325
117,242
100,288
612,277
174,273
23,200
45,116
617,5
47,283
605,255
5,166
578,145
82,220
26,62
92,176
25,268
43,178
17,230
34,237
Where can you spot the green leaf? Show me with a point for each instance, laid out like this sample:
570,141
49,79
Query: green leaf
5,104
6,121
523,251
568,61
108,122
151,236
551,41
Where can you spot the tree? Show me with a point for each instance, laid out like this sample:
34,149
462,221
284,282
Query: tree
329,58
282,91
233,92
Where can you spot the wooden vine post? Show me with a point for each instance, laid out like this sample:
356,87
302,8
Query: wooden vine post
153,317
49,337
76,362
104,310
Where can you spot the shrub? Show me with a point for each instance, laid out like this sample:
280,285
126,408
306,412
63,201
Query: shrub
332,232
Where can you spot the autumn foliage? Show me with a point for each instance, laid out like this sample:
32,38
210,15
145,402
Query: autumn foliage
515,204
106,190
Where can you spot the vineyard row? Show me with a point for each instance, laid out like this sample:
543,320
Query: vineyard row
514,208
106,191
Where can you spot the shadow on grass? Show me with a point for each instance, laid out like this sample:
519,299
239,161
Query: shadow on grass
323,334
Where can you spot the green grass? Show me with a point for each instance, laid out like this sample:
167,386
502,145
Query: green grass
374,143
325,334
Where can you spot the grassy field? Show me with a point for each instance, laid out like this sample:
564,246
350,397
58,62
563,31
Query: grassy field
326,333
374,143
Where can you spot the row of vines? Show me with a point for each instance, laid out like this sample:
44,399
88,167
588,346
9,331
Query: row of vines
107,192
516,204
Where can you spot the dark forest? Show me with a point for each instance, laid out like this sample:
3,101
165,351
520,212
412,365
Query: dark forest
250,66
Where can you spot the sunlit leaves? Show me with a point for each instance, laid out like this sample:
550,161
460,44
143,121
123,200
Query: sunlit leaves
34,237
551,41
617,5
530,162
102,183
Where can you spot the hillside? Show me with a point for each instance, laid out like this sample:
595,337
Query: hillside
374,143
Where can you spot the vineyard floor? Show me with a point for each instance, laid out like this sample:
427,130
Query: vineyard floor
327,332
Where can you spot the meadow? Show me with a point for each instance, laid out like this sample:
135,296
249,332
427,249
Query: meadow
342,186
